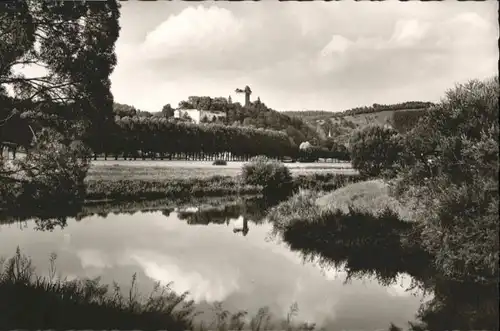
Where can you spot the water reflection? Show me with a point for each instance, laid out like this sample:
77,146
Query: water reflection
365,245
212,263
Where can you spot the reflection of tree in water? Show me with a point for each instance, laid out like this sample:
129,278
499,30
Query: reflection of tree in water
166,212
253,210
57,217
244,230
366,246
45,220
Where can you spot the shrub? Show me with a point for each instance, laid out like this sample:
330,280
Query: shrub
272,175
375,150
53,172
219,162
451,181
301,207
405,120
324,181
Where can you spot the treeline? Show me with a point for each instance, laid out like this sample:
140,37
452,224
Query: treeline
378,108
310,115
159,137
154,135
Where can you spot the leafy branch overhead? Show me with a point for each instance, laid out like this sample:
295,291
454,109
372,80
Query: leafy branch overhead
70,47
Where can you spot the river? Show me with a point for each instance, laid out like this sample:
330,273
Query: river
215,259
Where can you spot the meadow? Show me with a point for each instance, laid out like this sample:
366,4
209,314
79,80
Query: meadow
138,180
167,170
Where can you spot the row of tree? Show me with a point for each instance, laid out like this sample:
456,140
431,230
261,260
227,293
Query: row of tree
140,135
153,135
378,107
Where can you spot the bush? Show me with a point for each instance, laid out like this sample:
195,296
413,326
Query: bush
272,175
375,150
405,120
219,162
52,172
451,181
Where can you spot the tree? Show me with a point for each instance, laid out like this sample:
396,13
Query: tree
450,179
124,110
185,105
75,51
375,150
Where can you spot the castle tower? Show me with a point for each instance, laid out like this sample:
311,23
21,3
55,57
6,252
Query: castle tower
247,92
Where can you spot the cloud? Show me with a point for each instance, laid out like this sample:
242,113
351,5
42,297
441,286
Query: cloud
195,31
317,55
409,32
207,284
92,258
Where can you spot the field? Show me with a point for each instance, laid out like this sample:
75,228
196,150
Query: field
348,123
168,170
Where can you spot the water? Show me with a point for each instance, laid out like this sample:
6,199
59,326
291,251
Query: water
214,262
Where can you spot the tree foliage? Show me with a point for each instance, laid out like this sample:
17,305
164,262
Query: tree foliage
167,111
52,172
450,178
256,115
159,135
405,120
272,175
375,150
375,108
72,45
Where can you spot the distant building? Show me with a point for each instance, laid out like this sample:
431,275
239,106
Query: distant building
305,145
197,116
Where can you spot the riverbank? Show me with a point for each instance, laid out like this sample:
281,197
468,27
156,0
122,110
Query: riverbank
364,230
120,182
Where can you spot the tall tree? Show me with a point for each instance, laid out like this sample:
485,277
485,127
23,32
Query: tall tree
168,111
72,44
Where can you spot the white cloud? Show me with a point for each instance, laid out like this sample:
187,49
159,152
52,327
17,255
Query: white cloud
409,32
210,285
92,258
195,31
316,55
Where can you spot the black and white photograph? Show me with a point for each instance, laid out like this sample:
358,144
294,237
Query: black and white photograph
249,165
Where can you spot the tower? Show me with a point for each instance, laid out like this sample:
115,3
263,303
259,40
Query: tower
247,92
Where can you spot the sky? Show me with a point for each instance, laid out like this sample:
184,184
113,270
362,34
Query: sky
302,56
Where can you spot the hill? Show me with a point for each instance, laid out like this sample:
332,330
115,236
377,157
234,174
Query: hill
256,115
340,124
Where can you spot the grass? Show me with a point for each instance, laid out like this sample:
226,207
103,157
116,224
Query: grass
30,301
120,172
372,196
324,181
134,189
369,197
149,172
146,183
